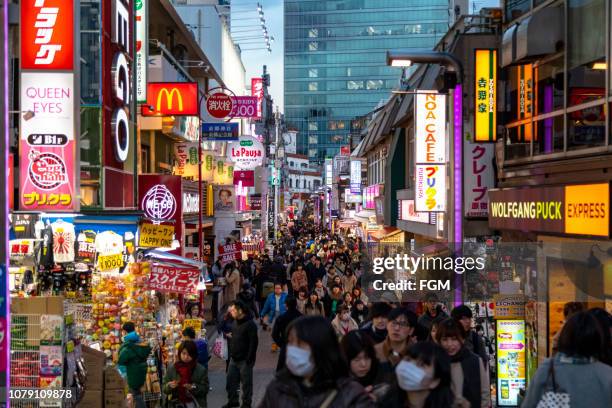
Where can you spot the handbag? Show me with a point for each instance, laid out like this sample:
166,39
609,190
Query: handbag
220,348
554,398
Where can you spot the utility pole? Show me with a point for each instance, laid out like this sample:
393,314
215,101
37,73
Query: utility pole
277,167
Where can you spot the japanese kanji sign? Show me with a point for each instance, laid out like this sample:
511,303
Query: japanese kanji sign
485,94
478,178
525,100
230,252
171,279
220,131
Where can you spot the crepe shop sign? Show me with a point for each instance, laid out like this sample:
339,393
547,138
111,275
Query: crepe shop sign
170,279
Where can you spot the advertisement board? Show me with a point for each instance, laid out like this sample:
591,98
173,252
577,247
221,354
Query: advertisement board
430,128
478,177
224,200
171,279
46,144
407,212
142,49
160,198
485,94
430,194
171,99
355,172
510,361
258,92
247,153
244,107
220,131
230,252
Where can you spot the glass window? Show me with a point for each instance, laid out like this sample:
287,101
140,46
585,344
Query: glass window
586,128
313,73
313,46
586,52
549,85
313,33
517,145
312,152
374,84
353,85
313,86
90,52
549,135
516,8
312,139
313,126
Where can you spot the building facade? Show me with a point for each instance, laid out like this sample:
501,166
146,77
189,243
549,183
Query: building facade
335,66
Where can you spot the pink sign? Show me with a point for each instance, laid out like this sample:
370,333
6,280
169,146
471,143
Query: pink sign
257,91
230,252
170,279
244,107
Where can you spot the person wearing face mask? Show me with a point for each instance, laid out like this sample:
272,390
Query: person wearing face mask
400,330
316,376
376,326
469,378
422,379
343,322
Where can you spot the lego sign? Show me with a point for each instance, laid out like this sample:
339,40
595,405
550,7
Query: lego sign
171,99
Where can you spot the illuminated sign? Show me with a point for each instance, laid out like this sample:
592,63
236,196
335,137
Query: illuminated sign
478,177
355,182
485,81
159,203
247,153
511,352
220,131
171,99
142,49
430,128
47,34
219,104
525,100
582,209
430,194
244,107
407,212
258,92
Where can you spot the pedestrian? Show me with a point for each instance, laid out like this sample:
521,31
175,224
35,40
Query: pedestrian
434,329
315,270
376,326
343,322
274,306
358,351
133,356
247,296
302,299
463,315
335,300
328,279
314,307
279,331
232,278
201,345
358,294
400,328
423,379
193,311
576,369
469,377
321,290
359,312
347,299
433,310
349,280
242,352
186,381
568,310
316,375
299,278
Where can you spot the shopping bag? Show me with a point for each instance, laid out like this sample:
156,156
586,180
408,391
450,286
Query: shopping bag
220,347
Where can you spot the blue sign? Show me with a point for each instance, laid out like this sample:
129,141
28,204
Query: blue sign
220,131
356,188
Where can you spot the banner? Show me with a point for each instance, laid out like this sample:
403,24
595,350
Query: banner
258,92
170,279
430,128
220,131
230,252
142,49
430,187
155,235
485,81
244,107
478,177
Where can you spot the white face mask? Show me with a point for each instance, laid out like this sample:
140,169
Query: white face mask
410,377
299,361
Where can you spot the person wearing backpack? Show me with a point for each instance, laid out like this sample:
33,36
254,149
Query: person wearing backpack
201,344
133,356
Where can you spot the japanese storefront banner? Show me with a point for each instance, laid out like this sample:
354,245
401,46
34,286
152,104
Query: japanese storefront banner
230,252
478,177
223,171
171,99
155,235
46,169
247,153
430,187
485,94
186,162
142,49
258,92
355,182
220,131
170,279
244,107
430,128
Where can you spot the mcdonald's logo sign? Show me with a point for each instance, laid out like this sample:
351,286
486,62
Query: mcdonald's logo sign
171,99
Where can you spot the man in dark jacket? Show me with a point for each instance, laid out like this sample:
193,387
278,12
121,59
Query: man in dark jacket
242,351
462,314
376,327
133,356
314,270
279,331
433,312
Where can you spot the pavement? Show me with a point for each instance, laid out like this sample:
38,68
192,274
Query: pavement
263,373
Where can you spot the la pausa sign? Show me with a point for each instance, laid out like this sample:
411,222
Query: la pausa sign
247,153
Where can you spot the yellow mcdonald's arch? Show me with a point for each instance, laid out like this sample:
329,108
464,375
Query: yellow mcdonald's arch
170,99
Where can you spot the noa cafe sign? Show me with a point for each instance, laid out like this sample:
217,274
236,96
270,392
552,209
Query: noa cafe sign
247,153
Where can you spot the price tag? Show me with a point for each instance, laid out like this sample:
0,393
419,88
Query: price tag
110,262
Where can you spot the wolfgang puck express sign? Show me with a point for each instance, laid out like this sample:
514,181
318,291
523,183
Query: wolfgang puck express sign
582,209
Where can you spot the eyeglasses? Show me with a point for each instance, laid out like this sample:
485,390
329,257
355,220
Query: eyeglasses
397,323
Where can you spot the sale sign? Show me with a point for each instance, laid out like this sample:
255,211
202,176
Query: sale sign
46,169
110,262
244,107
47,34
171,279
230,252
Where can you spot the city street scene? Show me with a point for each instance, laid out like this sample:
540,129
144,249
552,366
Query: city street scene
305,203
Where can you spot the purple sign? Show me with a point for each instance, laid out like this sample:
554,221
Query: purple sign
244,107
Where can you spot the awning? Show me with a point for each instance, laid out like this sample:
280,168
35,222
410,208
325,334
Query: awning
171,259
386,233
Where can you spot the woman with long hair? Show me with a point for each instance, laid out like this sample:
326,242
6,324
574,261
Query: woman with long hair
358,351
186,380
314,306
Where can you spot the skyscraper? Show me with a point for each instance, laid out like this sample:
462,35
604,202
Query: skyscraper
335,67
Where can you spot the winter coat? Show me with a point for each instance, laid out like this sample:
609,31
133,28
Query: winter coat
285,391
244,341
279,331
349,282
299,280
133,355
470,388
426,320
342,328
233,286
199,378
360,317
314,310
269,308
248,297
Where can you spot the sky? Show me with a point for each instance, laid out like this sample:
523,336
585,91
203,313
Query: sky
273,13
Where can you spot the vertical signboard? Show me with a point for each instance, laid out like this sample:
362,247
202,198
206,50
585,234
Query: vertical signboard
270,216
430,128
355,177
510,361
430,194
485,94
257,91
478,178
525,100
142,49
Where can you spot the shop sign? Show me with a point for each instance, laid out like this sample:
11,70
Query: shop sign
258,92
159,197
191,203
220,131
247,153
430,128
110,262
155,235
582,209
407,212
509,307
219,105
246,177
430,192
171,99
349,197
244,107
230,252
255,202
525,99
485,93
189,127
355,172
195,324
170,279
270,216
328,172
478,177
510,361
47,148
159,203
224,171
47,35
142,49
345,150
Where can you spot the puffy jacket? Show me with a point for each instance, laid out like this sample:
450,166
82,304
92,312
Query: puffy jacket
133,355
269,308
285,392
199,378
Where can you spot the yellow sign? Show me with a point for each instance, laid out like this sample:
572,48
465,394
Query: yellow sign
485,106
155,236
224,172
110,262
195,323
169,99
510,361
525,100
587,209
509,307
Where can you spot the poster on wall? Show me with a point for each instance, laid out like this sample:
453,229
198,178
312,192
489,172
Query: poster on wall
430,194
510,361
430,128
224,200
478,177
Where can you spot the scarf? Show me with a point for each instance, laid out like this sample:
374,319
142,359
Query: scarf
471,375
184,371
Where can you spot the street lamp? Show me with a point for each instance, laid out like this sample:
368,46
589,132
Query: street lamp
405,58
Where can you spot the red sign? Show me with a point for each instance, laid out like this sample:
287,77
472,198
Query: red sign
219,105
345,150
257,91
171,99
170,279
47,34
230,252
11,183
246,176
244,107
255,202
